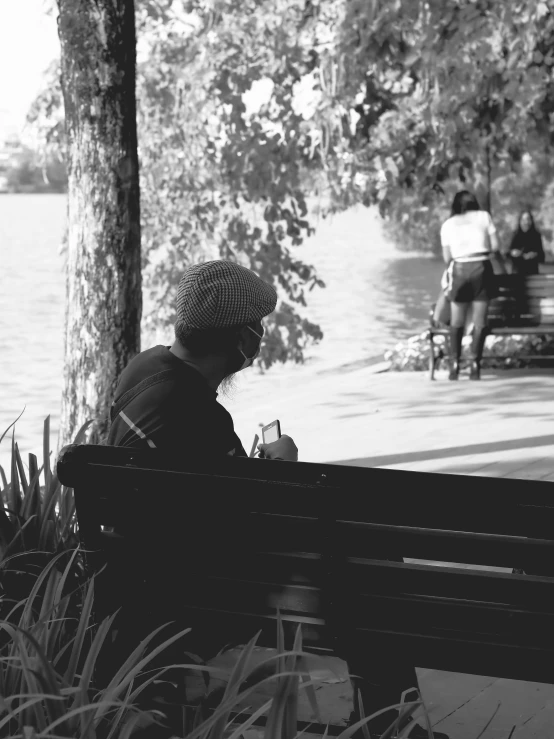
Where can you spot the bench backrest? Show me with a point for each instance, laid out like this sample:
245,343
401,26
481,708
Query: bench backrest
526,300
235,539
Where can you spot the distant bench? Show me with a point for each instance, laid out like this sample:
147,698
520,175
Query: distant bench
524,305
220,546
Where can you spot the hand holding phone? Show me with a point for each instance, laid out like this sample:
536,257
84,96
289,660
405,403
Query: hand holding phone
276,446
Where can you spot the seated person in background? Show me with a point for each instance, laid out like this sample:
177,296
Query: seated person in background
166,397
526,249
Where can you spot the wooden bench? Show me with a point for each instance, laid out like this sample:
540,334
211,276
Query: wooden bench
220,546
524,306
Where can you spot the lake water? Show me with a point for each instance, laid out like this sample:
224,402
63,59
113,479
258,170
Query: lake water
375,296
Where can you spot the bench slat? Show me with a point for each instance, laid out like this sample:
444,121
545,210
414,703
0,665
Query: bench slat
448,617
442,501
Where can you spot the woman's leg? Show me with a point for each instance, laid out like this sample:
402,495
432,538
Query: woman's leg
457,323
480,330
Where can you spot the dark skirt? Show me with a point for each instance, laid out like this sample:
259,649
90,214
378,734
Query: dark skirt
472,281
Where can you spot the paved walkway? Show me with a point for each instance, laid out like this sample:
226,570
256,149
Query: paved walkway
502,426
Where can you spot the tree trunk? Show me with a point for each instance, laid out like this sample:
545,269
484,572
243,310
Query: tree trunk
103,278
488,179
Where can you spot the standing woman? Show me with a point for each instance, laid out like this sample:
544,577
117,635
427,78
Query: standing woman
468,239
526,249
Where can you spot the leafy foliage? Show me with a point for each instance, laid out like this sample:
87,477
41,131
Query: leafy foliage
448,94
227,182
219,179
46,130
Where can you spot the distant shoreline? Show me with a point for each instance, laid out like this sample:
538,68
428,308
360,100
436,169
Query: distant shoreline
33,191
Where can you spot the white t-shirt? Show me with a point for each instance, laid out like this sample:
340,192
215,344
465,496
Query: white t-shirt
468,236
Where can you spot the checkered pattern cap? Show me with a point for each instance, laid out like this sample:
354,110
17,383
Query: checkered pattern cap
221,294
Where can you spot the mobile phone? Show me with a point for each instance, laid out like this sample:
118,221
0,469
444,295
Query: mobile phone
271,432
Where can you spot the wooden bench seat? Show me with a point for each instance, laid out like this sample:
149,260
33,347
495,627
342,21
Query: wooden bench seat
524,306
221,545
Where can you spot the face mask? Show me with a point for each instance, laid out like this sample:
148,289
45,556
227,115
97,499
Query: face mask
248,360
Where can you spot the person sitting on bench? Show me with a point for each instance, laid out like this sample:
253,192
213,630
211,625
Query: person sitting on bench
166,397
526,248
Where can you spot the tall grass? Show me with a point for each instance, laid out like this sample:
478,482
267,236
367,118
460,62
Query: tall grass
48,664
35,516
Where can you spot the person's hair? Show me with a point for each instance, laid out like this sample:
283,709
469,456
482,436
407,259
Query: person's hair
530,214
464,201
202,342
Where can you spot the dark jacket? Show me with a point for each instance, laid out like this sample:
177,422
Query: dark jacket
527,241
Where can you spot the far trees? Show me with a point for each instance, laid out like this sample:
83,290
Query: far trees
450,94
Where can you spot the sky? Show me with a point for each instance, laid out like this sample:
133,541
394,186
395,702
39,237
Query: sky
28,43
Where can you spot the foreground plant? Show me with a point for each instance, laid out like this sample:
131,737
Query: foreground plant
37,518
50,648
34,516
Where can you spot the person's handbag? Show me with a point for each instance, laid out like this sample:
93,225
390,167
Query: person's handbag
447,280
441,314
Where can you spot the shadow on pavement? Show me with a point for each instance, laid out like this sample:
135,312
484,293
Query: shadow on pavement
528,442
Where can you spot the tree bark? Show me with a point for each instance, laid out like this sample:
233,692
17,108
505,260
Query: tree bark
103,272
488,179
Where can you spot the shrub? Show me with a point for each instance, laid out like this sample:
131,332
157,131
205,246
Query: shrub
501,352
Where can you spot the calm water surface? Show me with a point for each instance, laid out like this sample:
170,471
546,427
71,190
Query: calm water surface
375,296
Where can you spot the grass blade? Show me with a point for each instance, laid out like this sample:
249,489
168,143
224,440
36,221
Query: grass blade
233,686
251,720
308,686
46,452
365,730
26,616
4,478
7,533
114,689
15,490
408,710
228,706
92,656
81,711
84,621
80,436
21,470
12,424
32,505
